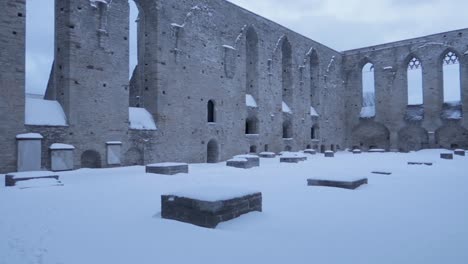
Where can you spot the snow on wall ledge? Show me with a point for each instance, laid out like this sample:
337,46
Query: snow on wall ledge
141,119
250,101
286,108
40,112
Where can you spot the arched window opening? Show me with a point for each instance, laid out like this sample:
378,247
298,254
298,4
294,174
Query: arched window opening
452,108
451,71
314,132
368,91
314,78
266,148
212,152
40,26
253,149
287,130
415,82
252,62
251,126
287,79
211,112
134,19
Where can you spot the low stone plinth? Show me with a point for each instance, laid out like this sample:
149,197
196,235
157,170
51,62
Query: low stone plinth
240,163
448,156
344,184
254,160
267,155
460,152
420,163
377,151
167,168
329,154
290,157
208,212
382,172
12,179
310,151
357,151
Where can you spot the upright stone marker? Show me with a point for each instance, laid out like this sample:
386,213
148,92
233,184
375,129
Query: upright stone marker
460,152
448,156
29,152
114,152
61,157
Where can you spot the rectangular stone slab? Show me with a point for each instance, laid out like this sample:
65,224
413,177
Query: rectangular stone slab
352,185
460,152
292,159
448,156
12,179
167,168
240,164
208,213
420,163
382,172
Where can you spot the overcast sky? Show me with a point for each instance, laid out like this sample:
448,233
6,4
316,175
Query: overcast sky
339,24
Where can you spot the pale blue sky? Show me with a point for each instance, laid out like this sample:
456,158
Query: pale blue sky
342,25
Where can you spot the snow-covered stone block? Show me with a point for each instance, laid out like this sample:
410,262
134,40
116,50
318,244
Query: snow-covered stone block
377,150
329,154
29,152
382,172
62,157
207,209
167,168
420,163
267,155
351,184
460,152
310,151
291,157
254,160
357,151
12,179
448,156
239,163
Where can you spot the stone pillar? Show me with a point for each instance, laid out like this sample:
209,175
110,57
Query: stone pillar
61,157
394,141
29,152
114,153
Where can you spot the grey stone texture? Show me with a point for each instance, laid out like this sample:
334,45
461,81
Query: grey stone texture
62,159
292,159
420,163
447,156
352,185
196,53
459,152
29,154
206,213
240,164
329,154
167,169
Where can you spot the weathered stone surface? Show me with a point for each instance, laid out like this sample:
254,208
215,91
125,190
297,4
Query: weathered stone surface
354,184
420,163
292,159
329,154
267,155
167,168
448,156
240,163
310,151
253,160
460,152
382,172
208,213
357,151
13,178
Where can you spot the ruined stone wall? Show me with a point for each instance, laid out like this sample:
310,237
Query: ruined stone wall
195,51
91,72
12,79
390,129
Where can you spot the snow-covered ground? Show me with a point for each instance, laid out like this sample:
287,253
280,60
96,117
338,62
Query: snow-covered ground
419,214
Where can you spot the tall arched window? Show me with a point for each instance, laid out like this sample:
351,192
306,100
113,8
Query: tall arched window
314,78
251,62
287,79
368,91
251,126
451,72
39,45
415,84
211,111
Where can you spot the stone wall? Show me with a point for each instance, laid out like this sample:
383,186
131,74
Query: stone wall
12,79
391,64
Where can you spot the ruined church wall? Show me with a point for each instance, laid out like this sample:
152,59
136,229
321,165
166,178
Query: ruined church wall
187,60
391,63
